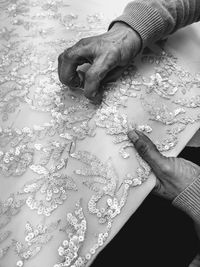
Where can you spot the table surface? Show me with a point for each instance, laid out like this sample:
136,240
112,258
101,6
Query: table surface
58,149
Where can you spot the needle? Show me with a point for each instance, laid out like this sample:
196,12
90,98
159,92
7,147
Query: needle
70,147
120,186
105,103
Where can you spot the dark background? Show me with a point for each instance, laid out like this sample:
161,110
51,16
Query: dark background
157,235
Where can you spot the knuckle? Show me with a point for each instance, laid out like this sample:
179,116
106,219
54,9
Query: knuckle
74,52
166,169
143,149
60,58
62,79
69,52
115,50
108,60
106,46
112,53
83,41
91,75
113,59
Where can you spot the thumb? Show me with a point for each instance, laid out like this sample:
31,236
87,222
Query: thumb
148,151
95,75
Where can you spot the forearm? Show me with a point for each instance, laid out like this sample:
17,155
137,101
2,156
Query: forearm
155,19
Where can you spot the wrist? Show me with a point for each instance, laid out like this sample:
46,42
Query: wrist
134,35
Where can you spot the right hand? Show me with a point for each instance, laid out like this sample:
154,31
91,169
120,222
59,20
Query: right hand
173,174
108,54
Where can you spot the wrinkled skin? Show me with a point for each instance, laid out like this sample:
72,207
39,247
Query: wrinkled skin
108,54
173,175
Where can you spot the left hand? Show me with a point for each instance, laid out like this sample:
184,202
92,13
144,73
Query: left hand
173,174
108,54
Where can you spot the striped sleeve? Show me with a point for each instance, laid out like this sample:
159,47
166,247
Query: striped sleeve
189,201
156,19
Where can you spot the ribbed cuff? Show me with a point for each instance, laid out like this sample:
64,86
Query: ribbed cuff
189,200
144,19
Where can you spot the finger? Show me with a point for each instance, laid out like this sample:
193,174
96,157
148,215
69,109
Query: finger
148,151
68,62
59,61
157,187
114,74
96,73
159,190
110,77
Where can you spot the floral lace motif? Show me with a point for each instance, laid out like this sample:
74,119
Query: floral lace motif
45,130
35,239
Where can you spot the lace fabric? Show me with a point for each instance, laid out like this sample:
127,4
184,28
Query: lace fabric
67,168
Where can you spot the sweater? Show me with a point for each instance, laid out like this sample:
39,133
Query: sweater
154,20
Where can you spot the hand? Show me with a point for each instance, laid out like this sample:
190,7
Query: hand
173,174
107,53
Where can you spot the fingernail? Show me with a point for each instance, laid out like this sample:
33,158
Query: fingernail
81,76
133,136
93,94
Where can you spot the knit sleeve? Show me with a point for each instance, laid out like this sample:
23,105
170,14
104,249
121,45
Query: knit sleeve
189,201
155,19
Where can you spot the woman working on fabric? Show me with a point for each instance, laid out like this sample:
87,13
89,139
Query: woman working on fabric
144,22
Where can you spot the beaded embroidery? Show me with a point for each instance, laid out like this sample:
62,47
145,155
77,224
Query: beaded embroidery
10,208
35,238
49,191
75,230
3,251
15,161
3,237
33,34
102,179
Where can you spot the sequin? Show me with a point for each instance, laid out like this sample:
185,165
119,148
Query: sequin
193,102
37,153
9,208
49,191
4,236
33,242
71,246
102,179
16,161
3,251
